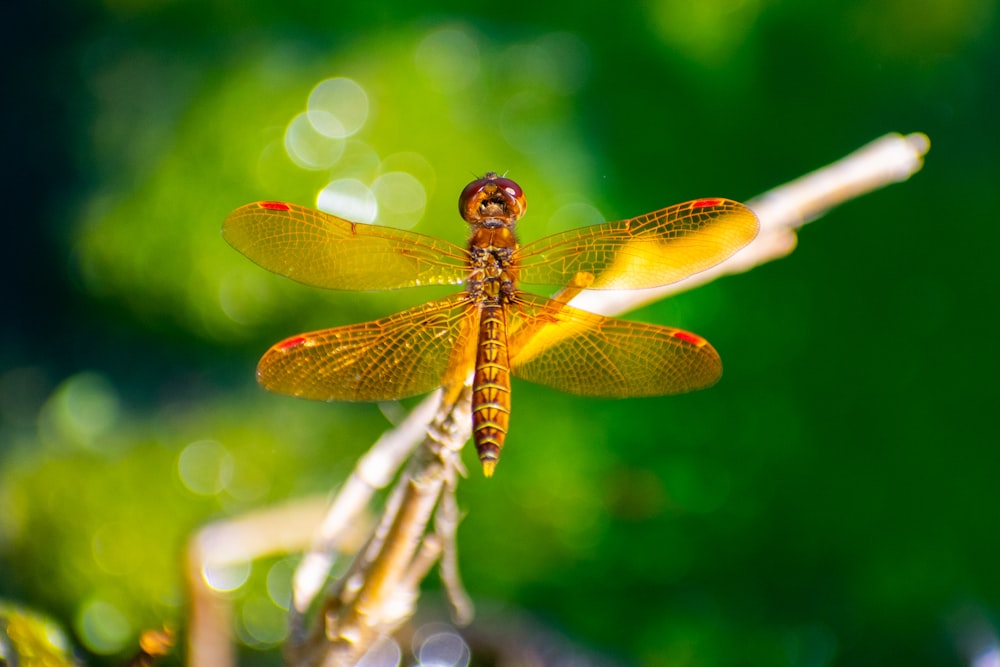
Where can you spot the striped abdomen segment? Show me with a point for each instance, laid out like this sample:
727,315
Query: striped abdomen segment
491,388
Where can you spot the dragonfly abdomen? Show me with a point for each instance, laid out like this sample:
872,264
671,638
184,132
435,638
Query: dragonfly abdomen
491,388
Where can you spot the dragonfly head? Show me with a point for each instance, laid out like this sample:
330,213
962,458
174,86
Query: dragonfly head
492,199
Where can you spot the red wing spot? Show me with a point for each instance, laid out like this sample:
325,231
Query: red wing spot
704,203
689,338
291,343
274,205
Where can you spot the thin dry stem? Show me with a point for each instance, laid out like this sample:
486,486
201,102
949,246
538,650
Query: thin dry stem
380,590
373,471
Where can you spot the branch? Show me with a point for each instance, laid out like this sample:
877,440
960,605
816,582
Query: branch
380,590
890,159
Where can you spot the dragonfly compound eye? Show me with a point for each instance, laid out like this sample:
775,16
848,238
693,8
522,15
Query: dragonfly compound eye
492,196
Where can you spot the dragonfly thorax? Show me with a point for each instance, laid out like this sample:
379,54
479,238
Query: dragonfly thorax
491,257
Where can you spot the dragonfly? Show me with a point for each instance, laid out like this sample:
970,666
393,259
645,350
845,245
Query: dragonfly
491,330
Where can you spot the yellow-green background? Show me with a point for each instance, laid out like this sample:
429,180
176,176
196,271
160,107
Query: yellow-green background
833,501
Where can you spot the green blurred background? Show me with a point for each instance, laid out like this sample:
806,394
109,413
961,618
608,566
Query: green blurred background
833,501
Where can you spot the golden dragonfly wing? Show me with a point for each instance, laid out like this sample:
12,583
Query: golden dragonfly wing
323,250
650,250
409,353
581,353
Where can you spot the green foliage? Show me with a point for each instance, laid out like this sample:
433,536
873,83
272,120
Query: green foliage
830,502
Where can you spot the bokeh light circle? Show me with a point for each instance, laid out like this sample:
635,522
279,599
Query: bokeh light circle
338,107
102,627
226,577
279,582
309,148
449,59
385,652
265,623
443,649
81,412
350,199
401,199
205,467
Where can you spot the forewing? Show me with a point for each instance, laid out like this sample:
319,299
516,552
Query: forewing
581,353
651,250
323,250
